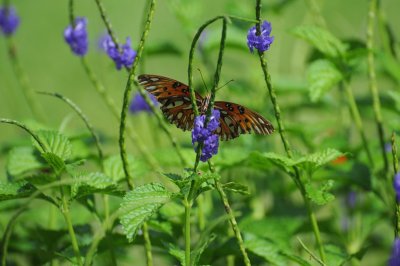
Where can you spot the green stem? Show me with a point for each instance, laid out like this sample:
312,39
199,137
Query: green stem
357,120
67,218
233,222
24,81
107,23
296,177
7,234
372,81
24,127
114,110
84,119
147,244
188,207
397,204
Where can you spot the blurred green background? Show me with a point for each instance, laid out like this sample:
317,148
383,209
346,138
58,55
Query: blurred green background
50,66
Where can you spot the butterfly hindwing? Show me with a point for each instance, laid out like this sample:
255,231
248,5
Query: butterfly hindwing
174,98
236,119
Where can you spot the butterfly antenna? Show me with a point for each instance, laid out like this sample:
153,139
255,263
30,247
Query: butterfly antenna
202,78
225,84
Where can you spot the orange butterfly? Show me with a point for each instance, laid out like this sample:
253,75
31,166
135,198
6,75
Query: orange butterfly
176,106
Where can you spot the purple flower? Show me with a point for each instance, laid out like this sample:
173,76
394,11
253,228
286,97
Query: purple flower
205,135
395,258
396,185
138,104
124,57
9,20
388,147
262,41
76,36
351,199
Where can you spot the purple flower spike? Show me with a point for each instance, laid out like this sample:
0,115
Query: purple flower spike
77,37
206,135
395,258
261,42
123,58
396,185
138,104
9,20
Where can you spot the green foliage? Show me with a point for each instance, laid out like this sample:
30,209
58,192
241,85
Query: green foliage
54,143
321,39
15,190
236,187
113,167
322,75
320,195
140,204
87,184
22,160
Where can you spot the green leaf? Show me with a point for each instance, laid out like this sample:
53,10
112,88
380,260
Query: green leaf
236,187
22,160
322,75
55,143
315,160
87,184
178,253
335,256
260,160
113,167
321,39
54,161
15,190
265,249
166,47
199,249
320,195
140,204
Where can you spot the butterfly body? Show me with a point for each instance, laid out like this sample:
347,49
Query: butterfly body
176,106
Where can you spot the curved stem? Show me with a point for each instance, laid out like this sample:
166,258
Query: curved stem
24,127
7,234
84,119
372,81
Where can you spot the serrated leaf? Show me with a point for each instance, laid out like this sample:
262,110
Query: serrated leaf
322,75
259,160
265,249
321,39
113,167
315,160
87,184
15,190
22,160
236,187
320,195
54,161
140,204
55,143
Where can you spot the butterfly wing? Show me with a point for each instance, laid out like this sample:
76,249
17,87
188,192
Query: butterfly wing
174,98
236,119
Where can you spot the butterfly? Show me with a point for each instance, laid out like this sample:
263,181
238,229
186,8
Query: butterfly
176,106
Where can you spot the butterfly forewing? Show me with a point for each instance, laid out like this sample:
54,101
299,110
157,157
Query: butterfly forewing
174,97
236,119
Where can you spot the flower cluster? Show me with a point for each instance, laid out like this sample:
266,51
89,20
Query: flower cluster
395,258
138,104
205,134
396,185
76,36
124,57
9,20
260,42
